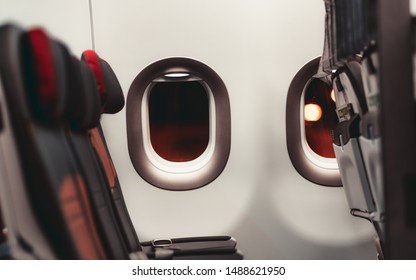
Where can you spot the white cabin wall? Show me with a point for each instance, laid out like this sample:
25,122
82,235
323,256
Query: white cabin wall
256,47
68,21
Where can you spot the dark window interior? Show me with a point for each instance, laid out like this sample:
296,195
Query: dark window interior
319,131
179,120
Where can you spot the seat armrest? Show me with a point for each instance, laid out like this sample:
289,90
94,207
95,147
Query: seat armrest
204,247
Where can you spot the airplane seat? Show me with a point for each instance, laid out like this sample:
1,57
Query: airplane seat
84,114
4,246
2,228
50,216
357,141
14,111
350,107
112,101
211,247
370,139
112,98
49,102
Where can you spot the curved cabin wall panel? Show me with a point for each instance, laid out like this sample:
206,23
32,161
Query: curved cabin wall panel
256,47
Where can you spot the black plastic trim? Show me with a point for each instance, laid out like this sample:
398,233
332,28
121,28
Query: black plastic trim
348,129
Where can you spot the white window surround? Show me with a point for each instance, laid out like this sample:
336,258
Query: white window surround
320,161
170,166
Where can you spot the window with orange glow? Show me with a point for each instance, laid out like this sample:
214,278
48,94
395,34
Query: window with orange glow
319,117
179,120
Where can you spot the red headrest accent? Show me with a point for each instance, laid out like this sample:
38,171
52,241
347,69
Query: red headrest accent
93,62
44,68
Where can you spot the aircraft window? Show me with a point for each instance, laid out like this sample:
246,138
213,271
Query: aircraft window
310,118
320,117
179,120
178,124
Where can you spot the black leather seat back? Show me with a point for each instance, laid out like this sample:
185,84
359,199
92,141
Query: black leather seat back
84,114
112,100
49,214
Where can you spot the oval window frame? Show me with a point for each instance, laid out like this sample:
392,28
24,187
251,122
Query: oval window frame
179,175
307,163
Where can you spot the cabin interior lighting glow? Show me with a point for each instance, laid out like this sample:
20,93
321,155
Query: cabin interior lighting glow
177,75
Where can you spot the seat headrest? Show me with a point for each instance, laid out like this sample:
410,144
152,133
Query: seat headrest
93,61
115,97
112,98
45,75
84,108
91,98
